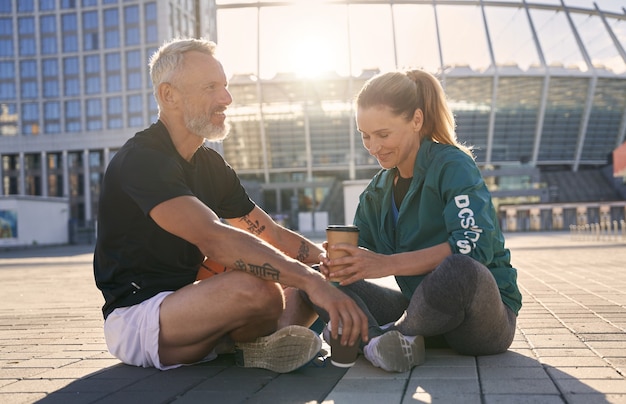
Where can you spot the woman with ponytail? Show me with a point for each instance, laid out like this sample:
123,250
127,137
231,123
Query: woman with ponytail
426,218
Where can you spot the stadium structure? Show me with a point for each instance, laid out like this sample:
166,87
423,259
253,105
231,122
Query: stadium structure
537,87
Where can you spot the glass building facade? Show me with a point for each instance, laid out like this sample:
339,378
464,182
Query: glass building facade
539,85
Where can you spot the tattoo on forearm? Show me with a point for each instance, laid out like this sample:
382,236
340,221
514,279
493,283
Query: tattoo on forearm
252,226
303,252
265,271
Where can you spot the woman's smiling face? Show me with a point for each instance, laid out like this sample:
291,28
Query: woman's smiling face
391,138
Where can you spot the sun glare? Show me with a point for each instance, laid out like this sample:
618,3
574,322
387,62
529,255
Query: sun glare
309,57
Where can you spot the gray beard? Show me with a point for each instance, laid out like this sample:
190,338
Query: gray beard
203,128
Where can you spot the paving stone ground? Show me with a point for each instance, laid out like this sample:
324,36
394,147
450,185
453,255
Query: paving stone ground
570,346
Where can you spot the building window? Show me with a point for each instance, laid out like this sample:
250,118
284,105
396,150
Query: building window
69,25
55,174
52,110
65,4
111,28
92,85
49,68
114,106
30,118
5,7
29,89
70,43
92,64
151,22
52,117
114,83
50,88
48,45
8,119
7,91
131,23
45,5
6,46
25,6
7,70
72,87
72,109
27,46
26,25
47,24
94,114
90,30
70,66
135,111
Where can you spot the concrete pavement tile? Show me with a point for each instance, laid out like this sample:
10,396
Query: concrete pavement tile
41,363
605,372
35,385
523,399
441,372
21,398
507,359
299,388
21,373
443,398
558,361
523,372
612,352
614,336
132,397
443,387
595,327
595,398
586,386
449,361
97,363
362,369
518,386
68,373
367,391
556,341
201,396
543,352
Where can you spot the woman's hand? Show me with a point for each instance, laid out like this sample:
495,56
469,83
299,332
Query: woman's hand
359,264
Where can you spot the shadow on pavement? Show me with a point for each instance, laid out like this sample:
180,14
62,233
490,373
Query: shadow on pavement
218,381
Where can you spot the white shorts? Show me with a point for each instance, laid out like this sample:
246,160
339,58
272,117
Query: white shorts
132,334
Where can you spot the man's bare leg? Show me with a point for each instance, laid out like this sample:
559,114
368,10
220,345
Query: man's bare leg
194,319
297,311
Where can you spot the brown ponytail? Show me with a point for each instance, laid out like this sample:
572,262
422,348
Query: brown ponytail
404,93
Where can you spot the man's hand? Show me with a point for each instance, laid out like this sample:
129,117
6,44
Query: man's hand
342,310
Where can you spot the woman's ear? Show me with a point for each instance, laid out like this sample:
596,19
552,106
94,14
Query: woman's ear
418,120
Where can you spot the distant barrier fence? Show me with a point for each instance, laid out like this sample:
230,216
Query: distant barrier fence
603,231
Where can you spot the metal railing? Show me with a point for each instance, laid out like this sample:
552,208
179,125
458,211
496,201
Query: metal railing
602,231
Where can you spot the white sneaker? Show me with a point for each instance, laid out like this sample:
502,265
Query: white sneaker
394,352
283,351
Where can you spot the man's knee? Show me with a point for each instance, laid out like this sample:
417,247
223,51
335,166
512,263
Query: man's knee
263,297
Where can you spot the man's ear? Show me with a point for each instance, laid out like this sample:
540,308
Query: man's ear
167,93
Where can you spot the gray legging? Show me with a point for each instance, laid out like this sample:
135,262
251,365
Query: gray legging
459,301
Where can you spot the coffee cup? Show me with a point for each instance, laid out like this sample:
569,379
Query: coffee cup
343,356
338,234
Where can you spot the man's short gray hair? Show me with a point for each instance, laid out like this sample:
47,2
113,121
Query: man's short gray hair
166,62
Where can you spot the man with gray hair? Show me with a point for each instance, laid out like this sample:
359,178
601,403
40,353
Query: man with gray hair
163,199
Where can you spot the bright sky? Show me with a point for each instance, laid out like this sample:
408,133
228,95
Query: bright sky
311,37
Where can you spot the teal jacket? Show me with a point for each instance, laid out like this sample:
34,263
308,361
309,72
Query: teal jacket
447,201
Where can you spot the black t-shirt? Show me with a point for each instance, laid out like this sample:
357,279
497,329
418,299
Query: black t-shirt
134,258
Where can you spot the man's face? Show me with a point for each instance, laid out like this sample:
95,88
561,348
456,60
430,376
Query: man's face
205,96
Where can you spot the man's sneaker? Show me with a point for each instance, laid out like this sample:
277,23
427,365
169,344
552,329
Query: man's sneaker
394,352
283,351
